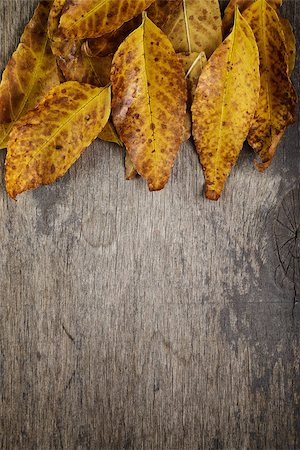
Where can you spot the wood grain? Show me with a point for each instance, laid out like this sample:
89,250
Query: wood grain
137,320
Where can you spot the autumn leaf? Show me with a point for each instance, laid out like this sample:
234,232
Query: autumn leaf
149,102
193,64
29,75
290,42
49,139
195,26
224,105
109,43
228,18
77,66
277,102
161,11
130,170
83,19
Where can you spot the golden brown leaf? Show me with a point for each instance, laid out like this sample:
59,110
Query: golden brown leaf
83,19
109,43
29,75
49,139
195,26
228,18
161,10
149,102
290,41
224,105
130,170
277,103
193,64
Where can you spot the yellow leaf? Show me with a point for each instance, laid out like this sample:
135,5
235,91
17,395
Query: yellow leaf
195,26
161,10
228,18
193,64
49,139
76,65
149,102
130,170
277,103
224,105
109,43
109,134
84,19
29,75
290,41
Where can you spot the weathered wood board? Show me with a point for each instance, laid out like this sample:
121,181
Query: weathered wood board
137,320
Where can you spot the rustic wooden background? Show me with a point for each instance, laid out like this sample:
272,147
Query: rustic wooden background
137,320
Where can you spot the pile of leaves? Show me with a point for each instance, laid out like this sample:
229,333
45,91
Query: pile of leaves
147,75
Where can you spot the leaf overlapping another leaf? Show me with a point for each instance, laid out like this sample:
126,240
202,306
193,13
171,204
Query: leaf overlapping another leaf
49,139
149,102
277,102
29,75
224,105
84,19
78,66
195,26
228,18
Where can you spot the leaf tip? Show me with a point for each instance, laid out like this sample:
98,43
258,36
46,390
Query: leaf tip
212,195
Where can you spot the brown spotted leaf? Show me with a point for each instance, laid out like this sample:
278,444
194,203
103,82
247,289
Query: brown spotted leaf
193,64
228,18
130,170
83,19
277,102
195,26
290,41
109,43
29,75
161,11
149,102
46,141
224,105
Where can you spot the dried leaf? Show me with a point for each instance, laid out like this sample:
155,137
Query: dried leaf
83,19
109,43
29,75
277,103
109,134
224,105
228,18
149,102
130,170
195,26
161,10
290,41
49,139
193,64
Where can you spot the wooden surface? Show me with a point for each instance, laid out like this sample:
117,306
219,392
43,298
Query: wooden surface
137,320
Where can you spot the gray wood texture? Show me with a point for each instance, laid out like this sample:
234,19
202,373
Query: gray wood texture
137,320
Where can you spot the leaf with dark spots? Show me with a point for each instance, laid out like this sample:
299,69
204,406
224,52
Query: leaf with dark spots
224,105
290,42
46,141
130,170
228,18
161,11
149,102
277,102
29,75
84,19
109,43
193,64
195,26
